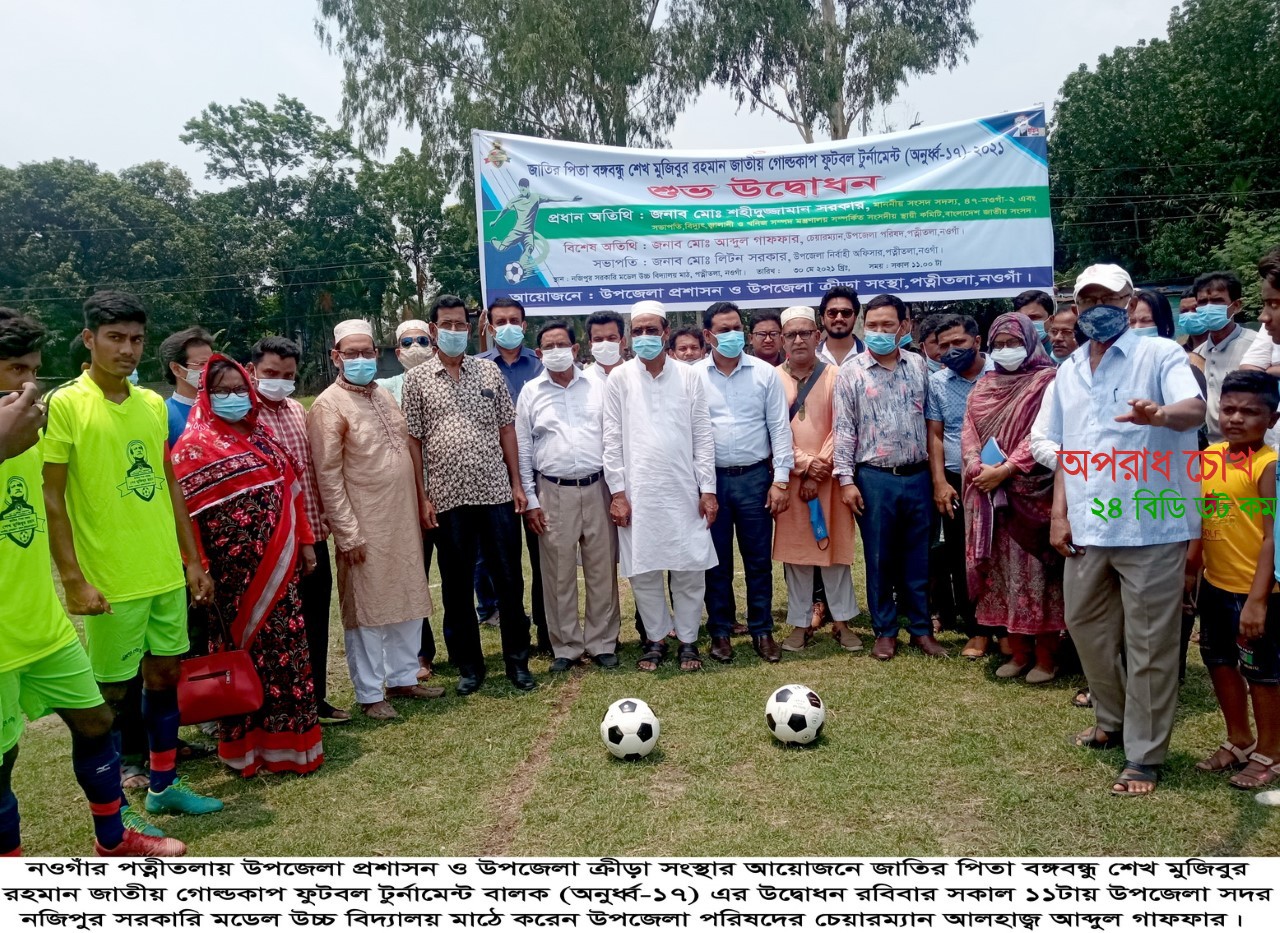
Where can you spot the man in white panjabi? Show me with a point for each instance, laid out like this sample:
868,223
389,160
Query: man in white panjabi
660,466
372,493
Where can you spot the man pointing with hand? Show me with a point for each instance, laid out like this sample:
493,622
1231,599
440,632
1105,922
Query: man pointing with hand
1122,585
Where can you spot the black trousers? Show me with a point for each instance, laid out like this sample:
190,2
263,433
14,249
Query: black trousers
427,649
495,531
949,575
535,589
316,592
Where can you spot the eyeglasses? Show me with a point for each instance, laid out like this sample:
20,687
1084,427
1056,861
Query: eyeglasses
423,341
223,396
767,334
840,312
799,335
370,354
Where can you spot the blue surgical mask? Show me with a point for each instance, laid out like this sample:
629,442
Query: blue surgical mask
730,343
508,336
133,377
1104,323
234,407
1215,317
452,342
647,346
1039,328
360,372
881,344
1059,360
934,365
1190,322
905,341
1145,331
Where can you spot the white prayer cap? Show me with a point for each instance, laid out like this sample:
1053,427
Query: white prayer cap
649,307
357,325
1112,278
411,325
798,312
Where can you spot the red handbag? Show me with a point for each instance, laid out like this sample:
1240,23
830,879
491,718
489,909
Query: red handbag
220,685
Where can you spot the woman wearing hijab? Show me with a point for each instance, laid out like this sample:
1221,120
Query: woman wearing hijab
245,498
1015,577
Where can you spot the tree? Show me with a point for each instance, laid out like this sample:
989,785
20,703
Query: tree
1166,146
592,72
410,190
824,66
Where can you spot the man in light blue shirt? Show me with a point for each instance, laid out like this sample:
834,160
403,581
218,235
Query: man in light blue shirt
748,407
963,365
1125,538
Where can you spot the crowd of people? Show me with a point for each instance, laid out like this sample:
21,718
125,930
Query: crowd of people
1003,484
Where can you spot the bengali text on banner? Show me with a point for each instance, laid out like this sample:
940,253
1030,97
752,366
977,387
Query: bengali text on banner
936,213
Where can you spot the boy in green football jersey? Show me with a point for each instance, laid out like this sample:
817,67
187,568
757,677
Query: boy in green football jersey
42,663
121,535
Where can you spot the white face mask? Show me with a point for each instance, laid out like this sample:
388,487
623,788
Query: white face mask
1010,358
275,390
606,353
191,376
414,356
558,359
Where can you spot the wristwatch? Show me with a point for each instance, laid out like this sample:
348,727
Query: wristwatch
782,486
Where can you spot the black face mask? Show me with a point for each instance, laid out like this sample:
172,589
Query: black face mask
958,360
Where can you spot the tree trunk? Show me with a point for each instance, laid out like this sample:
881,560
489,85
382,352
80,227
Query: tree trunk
833,62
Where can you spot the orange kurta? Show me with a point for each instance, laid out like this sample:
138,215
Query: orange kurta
793,541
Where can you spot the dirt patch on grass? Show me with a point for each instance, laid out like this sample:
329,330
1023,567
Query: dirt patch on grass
509,803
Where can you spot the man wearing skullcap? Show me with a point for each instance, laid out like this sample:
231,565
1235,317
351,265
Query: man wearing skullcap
369,484
413,346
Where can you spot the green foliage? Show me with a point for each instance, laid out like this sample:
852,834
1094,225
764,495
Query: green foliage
1166,146
1249,237
823,66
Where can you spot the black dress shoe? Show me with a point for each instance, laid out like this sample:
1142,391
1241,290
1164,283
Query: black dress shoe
469,682
606,660
721,650
521,679
767,648
560,665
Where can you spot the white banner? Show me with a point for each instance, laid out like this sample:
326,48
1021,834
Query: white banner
937,213
1108,894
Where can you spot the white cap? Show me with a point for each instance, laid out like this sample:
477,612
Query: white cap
357,325
411,325
649,307
798,312
1112,278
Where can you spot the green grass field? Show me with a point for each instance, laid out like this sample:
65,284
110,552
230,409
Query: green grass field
918,757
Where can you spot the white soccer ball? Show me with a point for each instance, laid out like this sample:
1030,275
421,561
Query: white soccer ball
795,714
629,729
514,273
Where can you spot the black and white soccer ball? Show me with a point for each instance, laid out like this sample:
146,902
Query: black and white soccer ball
514,273
629,729
795,714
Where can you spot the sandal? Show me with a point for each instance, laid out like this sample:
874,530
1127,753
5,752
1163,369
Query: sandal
1261,771
1135,774
1089,738
1236,758
134,775
655,652
1083,699
689,658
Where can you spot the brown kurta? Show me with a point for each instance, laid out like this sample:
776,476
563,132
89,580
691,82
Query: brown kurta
360,446
793,541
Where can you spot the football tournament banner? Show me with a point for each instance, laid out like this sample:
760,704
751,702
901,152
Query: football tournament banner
935,213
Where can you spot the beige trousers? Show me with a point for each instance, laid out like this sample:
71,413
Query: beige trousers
1129,597
578,521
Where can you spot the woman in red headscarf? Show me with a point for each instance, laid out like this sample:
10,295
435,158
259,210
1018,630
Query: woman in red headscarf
245,498
1015,577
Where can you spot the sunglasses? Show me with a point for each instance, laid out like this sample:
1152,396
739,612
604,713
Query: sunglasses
423,341
840,312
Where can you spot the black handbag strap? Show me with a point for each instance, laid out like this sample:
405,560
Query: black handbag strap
216,624
804,389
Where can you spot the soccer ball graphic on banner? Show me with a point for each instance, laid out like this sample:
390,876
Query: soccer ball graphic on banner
629,729
514,273
795,714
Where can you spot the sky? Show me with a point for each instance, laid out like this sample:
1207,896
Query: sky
113,82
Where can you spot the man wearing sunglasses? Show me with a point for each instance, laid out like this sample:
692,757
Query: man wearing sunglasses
413,347
838,312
